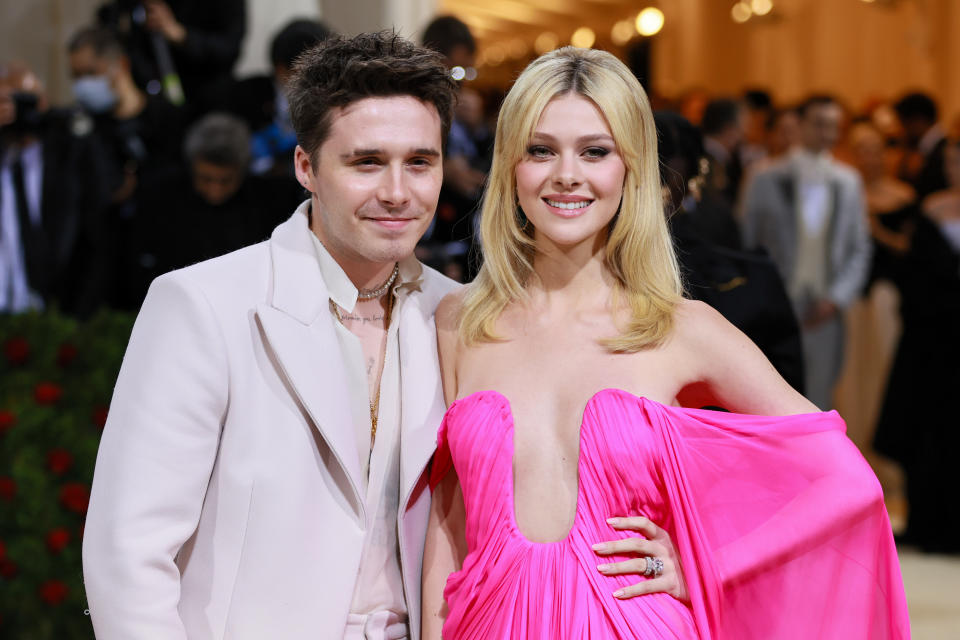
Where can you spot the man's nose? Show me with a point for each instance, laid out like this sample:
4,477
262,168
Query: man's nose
394,189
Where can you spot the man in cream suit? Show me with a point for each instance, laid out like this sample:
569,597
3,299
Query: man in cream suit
261,474
808,211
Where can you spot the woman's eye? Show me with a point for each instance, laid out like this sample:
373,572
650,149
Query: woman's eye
538,151
596,152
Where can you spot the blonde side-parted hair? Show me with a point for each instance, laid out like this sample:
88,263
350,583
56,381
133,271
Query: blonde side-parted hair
639,250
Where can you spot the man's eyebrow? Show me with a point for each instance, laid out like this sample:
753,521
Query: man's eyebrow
357,153
363,153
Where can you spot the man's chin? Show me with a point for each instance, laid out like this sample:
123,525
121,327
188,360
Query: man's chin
395,251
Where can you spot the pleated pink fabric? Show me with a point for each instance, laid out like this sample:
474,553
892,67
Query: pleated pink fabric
779,523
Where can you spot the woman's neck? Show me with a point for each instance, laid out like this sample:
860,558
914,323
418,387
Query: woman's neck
572,276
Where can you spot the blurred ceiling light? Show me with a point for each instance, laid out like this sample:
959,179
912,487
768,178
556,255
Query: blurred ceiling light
649,21
517,48
584,37
621,32
471,74
495,54
546,41
741,12
458,73
761,7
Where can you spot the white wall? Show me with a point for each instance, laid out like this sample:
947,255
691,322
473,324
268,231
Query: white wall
37,31
264,19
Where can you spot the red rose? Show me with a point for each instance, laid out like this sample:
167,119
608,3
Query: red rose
100,417
59,461
53,592
8,488
8,569
66,354
17,350
57,540
75,497
7,420
47,393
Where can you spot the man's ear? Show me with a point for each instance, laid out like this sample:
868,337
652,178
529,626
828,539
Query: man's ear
303,168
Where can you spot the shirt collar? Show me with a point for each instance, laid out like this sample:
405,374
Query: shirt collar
930,139
342,290
808,159
29,153
716,149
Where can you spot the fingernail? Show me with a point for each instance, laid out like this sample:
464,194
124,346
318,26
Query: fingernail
600,546
618,593
602,567
613,520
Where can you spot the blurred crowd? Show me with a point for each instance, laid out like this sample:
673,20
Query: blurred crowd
831,236
859,213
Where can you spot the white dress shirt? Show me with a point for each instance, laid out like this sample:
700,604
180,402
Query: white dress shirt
815,207
379,608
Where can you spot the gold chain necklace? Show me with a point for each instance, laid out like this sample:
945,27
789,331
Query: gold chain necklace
375,403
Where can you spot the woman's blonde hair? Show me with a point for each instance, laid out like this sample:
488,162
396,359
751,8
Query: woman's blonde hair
639,250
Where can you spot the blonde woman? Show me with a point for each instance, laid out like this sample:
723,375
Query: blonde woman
574,497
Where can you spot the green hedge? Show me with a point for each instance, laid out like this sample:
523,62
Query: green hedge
56,380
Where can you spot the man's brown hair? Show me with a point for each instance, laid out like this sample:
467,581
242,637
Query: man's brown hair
340,71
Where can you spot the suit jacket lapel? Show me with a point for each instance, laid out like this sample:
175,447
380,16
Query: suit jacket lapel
421,392
299,329
788,189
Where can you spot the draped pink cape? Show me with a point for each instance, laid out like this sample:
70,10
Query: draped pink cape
779,523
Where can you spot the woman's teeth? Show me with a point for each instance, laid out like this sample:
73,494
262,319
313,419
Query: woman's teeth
580,204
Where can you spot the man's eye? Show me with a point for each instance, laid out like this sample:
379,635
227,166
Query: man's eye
421,162
366,162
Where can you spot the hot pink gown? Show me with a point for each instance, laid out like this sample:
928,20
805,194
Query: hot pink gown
779,523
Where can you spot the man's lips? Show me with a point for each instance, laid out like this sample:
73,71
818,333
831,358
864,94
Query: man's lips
391,222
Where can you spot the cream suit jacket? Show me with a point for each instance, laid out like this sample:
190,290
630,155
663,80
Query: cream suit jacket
227,498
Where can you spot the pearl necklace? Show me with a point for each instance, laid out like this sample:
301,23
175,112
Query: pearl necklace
370,294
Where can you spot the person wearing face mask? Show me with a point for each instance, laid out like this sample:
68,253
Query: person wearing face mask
142,132
50,202
137,137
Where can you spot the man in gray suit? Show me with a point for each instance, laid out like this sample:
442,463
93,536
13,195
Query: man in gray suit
808,212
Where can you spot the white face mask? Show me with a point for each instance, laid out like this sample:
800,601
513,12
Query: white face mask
94,93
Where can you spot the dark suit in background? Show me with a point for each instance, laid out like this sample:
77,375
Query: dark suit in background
65,259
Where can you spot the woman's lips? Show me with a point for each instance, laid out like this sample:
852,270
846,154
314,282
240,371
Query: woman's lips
568,207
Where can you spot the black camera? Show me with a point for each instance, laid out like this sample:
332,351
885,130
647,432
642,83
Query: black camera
27,118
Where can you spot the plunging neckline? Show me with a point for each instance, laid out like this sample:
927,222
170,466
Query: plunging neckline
512,511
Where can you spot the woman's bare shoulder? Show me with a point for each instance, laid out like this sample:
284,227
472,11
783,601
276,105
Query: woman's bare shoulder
448,311
698,323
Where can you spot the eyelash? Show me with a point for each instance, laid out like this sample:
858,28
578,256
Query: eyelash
592,153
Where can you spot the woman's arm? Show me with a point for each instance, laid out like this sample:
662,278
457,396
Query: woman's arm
722,367
443,552
445,546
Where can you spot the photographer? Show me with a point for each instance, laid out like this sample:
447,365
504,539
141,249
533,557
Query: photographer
198,42
50,203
